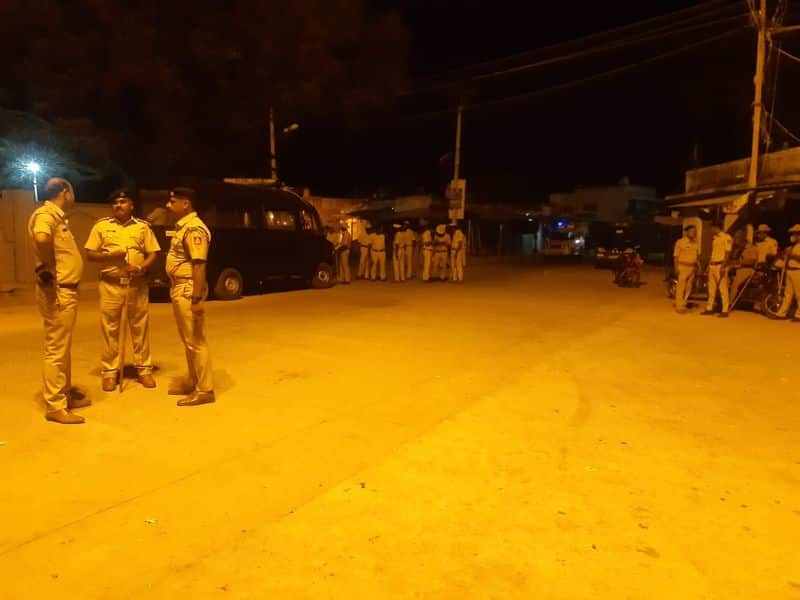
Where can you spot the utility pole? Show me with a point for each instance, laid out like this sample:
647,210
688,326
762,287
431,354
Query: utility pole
758,108
758,115
273,159
457,154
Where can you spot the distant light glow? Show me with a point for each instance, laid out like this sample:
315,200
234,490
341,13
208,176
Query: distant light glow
33,166
561,224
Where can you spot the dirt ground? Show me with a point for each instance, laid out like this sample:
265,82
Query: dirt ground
534,433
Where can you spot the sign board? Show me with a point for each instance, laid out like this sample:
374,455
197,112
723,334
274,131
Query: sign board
456,195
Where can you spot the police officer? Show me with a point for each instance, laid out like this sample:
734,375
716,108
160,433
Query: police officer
364,242
767,246
343,254
427,253
59,267
411,250
441,250
377,255
399,253
458,255
718,281
126,247
685,255
792,291
186,267
745,257
333,237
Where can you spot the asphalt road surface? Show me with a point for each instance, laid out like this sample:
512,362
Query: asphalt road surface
533,433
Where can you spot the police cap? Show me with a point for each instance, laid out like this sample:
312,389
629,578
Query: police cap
184,193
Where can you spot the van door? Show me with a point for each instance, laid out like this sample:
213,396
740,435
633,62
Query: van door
280,248
236,232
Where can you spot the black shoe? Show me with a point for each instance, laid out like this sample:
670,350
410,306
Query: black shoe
777,317
198,398
723,315
705,313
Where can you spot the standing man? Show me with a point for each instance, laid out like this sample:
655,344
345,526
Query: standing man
441,250
686,256
186,267
343,254
767,246
791,292
377,255
427,253
364,241
399,253
746,259
721,246
126,247
59,267
411,248
458,251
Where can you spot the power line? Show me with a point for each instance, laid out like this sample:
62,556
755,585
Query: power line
705,9
589,79
783,52
607,48
678,27
783,128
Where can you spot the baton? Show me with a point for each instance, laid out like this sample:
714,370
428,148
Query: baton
126,283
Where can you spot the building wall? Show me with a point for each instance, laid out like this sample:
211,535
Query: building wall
16,260
607,204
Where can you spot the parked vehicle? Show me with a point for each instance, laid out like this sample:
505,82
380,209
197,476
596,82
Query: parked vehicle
258,234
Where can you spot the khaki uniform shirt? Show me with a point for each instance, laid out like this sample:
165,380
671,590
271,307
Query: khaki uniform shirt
749,256
794,257
686,251
50,219
766,247
720,246
442,242
427,240
378,242
364,239
135,236
190,243
458,240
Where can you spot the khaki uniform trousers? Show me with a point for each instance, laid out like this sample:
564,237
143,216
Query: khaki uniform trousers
718,282
685,284
440,264
343,270
790,291
410,252
192,331
741,277
363,262
378,258
457,265
427,256
399,263
59,310
112,299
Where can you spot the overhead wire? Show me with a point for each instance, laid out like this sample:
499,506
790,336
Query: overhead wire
573,83
705,8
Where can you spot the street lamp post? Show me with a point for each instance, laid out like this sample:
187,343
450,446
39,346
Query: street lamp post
34,168
273,150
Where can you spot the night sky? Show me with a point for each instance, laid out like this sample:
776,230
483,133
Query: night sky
650,123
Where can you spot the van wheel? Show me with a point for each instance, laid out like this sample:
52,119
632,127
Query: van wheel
229,285
323,277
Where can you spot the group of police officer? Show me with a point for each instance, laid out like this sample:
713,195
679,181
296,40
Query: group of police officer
737,253
442,251
126,248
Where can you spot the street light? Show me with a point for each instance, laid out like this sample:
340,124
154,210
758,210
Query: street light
291,128
34,168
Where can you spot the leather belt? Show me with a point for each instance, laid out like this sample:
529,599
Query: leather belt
718,262
180,279
68,286
376,250
118,280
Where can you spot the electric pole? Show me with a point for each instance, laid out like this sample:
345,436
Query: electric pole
758,108
273,159
457,153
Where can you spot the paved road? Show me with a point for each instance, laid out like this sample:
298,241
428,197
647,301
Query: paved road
536,432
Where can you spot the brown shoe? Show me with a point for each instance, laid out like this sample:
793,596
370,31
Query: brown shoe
180,388
147,380
109,383
197,398
64,417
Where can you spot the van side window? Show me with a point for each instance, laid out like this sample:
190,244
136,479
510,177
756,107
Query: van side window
232,217
282,220
308,221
